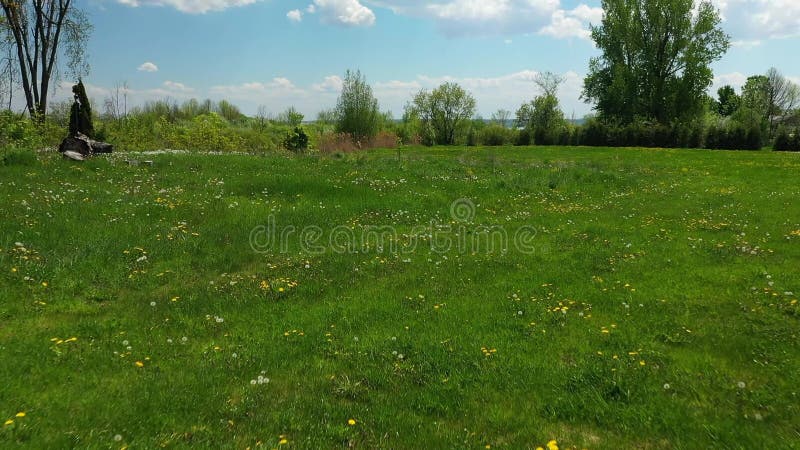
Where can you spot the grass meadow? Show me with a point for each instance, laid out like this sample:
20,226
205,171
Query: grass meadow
651,304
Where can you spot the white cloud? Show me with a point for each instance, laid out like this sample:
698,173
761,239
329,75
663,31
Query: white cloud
753,20
295,15
177,87
735,80
331,83
246,91
148,67
488,17
191,6
349,13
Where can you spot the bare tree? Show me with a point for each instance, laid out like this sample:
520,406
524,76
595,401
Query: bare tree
116,104
7,64
502,116
43,31
548,82
783,96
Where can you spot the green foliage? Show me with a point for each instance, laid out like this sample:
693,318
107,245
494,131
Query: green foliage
444,113
734,136
357,112
543,119
787,141
656,57
16,130
291,117
296,140
728,101
208,132
524,138
229,111
496,135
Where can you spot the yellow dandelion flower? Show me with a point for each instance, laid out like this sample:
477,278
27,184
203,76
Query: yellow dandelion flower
351,422
139,364
552,445
283,441
642,363
21,414
8,422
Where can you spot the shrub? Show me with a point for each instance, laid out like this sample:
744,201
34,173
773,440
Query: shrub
17,130
594,134
336,142
495,136
785,142
384,139
296,140
472,137
523,138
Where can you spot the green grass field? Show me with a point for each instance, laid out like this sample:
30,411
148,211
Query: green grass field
654,307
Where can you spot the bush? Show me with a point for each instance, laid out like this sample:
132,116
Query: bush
594,134
336,142
523,138
384,139
296,140
19,131
733,136
495,136
786,142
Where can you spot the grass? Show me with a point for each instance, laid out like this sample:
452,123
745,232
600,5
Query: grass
656,307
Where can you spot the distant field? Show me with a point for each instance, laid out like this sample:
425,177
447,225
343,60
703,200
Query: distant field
600,298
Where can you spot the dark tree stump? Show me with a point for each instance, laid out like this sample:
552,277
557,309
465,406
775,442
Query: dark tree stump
85,146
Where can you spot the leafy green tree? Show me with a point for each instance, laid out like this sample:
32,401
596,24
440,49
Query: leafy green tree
728,101
357,110
291,117
656,57
229,111
543,119
442,112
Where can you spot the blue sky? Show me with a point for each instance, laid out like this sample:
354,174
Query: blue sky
279,53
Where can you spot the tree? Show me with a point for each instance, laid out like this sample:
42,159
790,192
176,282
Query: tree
783,97
44,31
543,119
770,97
8,63
357,110
263,117
291,117
728,101
442,112
656,57
116,104
326,117
548,82
229,111
501,117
